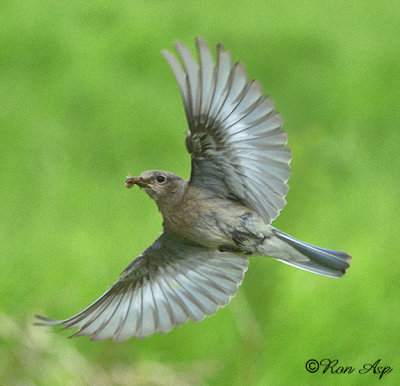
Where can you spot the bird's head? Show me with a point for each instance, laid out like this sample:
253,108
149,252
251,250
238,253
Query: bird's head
163,187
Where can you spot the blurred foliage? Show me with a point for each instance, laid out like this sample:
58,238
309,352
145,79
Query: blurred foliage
86,98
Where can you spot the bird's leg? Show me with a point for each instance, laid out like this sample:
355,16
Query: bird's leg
229,248
246,239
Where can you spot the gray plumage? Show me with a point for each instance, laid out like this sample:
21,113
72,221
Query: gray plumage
214,221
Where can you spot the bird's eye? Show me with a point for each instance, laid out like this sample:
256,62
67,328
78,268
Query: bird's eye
160,178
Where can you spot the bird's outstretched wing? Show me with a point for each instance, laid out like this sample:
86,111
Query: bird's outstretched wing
236,140
170,283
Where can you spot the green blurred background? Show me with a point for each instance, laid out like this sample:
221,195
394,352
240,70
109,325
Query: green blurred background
86,98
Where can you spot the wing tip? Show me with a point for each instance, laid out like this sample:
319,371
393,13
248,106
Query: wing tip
44,321
180,46
200,41
165,53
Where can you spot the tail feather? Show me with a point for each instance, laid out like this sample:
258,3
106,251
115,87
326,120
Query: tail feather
326,262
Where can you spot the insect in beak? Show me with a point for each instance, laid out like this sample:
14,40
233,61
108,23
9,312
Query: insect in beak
141,182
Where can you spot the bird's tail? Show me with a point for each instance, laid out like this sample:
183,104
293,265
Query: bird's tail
299,254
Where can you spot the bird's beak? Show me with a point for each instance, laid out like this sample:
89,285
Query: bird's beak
141,182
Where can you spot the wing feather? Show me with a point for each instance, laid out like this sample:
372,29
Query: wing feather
236,140
170,283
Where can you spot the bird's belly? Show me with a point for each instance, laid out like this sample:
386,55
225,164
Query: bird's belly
205,229
212,225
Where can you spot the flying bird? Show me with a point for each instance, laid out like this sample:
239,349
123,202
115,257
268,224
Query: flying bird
214,221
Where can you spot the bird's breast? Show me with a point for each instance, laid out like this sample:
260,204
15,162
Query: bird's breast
206,220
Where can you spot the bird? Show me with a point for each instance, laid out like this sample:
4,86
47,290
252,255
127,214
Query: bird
216,220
